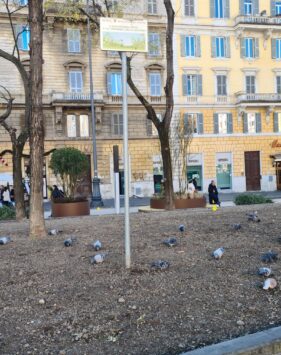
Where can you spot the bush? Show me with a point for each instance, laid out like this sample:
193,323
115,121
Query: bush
7,213
251,199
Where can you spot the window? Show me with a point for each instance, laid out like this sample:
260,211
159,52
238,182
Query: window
117,124
250,84
252,123
114,5
189,7
249,47
278,84
277,8
75,81
192,84
150,128
220,47
77,126
23,35
221,85
223,123
114,83
277,122
190,46
193,123
154,44
155,84
276,48
22,2
219,8
248,7
73,40
152,7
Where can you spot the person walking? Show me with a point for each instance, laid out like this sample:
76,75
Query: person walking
6,197
213,194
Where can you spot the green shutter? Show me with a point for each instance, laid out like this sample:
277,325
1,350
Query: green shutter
273,8
275,122
258,122
198,46
199,85
226,9
183,51
212,8
200,123
273,48
256,48
184,85
256,7
213,47
216,123
242,48
229,123
245,123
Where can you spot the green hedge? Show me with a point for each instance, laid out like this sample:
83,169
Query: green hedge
251,199
7,213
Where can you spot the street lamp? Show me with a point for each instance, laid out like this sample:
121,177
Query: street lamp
96,200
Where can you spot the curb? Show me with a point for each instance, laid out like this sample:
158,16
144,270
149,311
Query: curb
267,342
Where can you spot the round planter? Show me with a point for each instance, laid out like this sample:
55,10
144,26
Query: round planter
70,209
179,203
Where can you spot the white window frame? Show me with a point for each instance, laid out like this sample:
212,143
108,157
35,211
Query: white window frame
278,8
117,127
84,130
248,4
251,122
155,90
220,86
154,44
75,89
222,123
251,84
71,126
190,46
152,7
193,117
73,45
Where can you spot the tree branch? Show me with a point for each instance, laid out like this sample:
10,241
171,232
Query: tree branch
9,101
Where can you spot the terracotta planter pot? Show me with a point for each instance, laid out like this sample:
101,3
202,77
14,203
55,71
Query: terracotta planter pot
70,209
179,203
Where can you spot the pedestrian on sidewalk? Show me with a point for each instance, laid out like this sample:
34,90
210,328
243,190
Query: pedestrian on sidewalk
6,197
213,194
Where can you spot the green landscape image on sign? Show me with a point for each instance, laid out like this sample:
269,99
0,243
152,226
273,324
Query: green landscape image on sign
124,41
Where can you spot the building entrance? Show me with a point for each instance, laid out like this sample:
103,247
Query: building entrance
252,171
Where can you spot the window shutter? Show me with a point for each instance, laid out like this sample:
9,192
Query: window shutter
199,85
200,123
226,9
258,122
227,47
216,123
257,50
213,47
191,8
273,8
198,46
256,10
212,8
242,48
275,122
245,123
184,85
229,123
183,50
273,48
109,88
242,7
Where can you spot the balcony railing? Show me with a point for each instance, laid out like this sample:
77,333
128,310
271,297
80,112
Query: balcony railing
74,96
192,99
222,99
258,20
258,98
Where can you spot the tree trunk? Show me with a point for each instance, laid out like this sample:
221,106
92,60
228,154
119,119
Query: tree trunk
37,222
18,185
167,167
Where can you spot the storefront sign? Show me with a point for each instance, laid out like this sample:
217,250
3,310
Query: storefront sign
276,144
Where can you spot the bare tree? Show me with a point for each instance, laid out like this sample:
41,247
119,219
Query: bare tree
105,8
37,222
18,139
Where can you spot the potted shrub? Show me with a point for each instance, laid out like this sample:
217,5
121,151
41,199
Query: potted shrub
69,164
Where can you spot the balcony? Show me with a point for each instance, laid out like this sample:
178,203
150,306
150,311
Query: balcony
74,98
133,100
258,20
258,98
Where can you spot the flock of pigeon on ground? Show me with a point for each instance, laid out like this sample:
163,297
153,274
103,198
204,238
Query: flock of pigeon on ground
269,257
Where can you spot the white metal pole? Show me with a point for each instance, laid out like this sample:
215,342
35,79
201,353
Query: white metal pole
126,161
117,193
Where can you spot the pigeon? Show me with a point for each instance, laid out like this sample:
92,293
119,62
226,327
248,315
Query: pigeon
97,259
269,257
160,265
218,253
5,240
54,231
270,283
182,228
253,217
236,226
68,242
264,271
96,245
170,242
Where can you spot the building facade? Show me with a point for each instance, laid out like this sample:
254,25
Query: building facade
227,58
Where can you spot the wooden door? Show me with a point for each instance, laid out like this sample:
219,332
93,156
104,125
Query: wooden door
252,171
278,175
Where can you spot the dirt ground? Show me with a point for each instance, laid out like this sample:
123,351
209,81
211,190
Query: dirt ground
106,309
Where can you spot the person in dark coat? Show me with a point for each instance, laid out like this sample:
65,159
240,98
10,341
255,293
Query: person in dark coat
56,193
213,194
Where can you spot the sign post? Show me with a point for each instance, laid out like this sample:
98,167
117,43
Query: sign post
124,36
